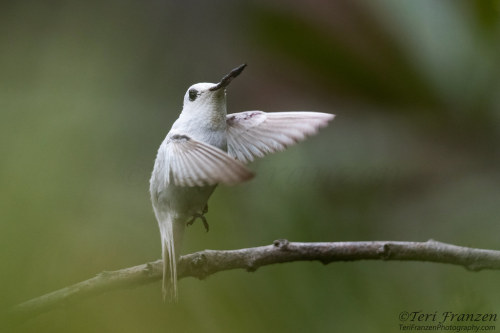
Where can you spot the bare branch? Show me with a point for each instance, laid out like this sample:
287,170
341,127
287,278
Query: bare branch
208,262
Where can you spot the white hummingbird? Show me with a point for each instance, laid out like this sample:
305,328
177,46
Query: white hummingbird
206,147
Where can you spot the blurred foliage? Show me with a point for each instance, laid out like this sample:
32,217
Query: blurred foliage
89,90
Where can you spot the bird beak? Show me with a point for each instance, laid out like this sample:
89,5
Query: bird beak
229,77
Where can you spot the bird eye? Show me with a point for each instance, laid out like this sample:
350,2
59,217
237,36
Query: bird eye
193,93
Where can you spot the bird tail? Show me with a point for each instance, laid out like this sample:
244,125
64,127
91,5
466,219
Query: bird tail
171,232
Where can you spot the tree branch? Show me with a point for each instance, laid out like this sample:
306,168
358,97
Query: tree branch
208,262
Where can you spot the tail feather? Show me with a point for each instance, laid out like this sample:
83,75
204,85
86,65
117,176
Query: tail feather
169,282
171,232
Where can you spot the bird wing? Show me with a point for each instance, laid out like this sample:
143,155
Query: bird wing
254,134
194,163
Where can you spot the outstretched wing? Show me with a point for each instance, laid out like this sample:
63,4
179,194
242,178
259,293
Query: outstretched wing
193,163
254,134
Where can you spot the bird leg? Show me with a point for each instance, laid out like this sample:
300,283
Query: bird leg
200,216
203,219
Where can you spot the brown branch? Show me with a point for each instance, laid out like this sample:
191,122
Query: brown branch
208,262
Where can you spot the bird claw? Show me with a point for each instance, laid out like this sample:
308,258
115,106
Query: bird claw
200,216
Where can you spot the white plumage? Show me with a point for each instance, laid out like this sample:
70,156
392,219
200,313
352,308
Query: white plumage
206,147
253,134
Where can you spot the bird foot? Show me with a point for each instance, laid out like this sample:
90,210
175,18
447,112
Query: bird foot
200,216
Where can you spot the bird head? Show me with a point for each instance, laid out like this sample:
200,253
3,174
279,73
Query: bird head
203,95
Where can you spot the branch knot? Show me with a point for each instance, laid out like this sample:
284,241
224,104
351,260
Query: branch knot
384,251
281,244
198,261
148,270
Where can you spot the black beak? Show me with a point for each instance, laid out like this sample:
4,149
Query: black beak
229,77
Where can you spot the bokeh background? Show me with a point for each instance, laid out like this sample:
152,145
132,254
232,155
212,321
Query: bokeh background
89,89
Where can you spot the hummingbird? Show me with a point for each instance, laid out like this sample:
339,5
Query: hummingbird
206,147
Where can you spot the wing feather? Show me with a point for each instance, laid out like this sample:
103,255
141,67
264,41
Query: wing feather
253,134
193,163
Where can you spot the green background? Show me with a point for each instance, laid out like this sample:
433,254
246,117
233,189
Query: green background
88,90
